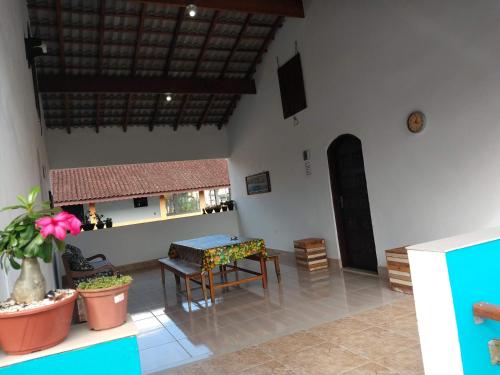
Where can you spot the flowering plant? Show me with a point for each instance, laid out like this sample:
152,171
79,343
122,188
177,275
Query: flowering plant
32,234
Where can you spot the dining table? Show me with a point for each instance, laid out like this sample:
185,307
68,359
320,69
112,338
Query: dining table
223,251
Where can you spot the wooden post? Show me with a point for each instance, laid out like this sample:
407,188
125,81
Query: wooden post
92,213
203,202
163,207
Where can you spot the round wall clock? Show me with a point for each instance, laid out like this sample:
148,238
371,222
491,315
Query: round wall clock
416,122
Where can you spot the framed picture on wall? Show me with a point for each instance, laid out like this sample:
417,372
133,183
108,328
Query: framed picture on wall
258,183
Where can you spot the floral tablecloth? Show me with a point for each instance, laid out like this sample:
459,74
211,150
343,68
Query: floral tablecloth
220,249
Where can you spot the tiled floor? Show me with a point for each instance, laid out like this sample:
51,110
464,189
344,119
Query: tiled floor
326,322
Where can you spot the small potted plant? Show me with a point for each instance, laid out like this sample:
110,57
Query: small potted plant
230,205
109,222
100,223
223,206
32,320
217,208
87,223
209,209
105,301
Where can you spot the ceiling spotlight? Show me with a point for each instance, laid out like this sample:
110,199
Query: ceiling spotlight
168,97
191,9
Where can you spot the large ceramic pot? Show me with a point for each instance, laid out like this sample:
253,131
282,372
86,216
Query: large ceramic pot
28,331
106,308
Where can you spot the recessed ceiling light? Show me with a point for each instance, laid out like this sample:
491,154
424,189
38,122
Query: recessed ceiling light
191,9
168,97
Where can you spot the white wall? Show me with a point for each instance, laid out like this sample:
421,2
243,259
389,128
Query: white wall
84,147
142,242
367,65
22,148
124,211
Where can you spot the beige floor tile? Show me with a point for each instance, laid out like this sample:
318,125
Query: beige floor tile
406,302
371,369
376,342
333,331
233,363
269,368
193,369
405,325
383,314
322,360
407,362
289,344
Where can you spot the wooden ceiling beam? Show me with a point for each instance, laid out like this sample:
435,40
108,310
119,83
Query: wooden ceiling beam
138,39
147,69
166,68
195,34
224,69
149,16
88,42
151,58
287,8
102,18
251,70
198,63
62,61
263,48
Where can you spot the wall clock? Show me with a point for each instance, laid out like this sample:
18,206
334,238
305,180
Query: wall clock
416,122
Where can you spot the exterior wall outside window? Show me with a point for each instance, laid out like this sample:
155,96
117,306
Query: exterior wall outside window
216,196
183,203
124,211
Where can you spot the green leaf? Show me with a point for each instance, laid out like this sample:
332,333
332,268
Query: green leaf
31,249
23,201
33,194
13,242
45,251
13,263
60,244
15,207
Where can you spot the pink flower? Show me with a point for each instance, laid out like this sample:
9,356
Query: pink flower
74,225
58,225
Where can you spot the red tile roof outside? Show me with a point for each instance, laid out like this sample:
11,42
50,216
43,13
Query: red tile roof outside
116,182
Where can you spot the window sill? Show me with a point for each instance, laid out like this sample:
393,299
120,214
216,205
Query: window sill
152,220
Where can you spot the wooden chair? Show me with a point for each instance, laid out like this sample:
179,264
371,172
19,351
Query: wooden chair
188,271
272,255
100,265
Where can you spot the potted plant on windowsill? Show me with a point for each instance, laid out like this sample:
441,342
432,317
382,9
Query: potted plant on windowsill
105,301
209,209
100,223
32,320
217,208
230,205
109,222
87,224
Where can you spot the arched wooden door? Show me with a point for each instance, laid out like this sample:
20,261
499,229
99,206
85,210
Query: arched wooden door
350,199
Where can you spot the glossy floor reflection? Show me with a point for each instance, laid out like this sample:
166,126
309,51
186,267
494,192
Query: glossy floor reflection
246,316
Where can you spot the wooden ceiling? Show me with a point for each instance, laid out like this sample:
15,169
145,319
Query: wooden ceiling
111,62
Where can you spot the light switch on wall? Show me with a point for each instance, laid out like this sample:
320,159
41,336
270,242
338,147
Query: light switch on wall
306,155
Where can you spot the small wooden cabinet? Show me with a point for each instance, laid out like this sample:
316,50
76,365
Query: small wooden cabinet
398,267
310,253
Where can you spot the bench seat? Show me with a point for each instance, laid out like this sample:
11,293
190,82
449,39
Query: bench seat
188,271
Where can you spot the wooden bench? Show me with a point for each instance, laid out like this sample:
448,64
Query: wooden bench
272,255
188,271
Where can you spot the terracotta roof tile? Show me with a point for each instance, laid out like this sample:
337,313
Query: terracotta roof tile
115,182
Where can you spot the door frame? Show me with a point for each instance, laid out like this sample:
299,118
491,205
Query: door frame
337,206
